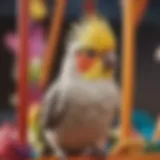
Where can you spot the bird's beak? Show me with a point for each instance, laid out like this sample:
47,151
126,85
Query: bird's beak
109,61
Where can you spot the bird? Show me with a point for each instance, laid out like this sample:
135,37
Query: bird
79,107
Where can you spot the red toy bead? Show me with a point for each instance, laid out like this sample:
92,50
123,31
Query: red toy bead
10,148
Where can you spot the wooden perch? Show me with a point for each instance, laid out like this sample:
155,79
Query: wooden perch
54,35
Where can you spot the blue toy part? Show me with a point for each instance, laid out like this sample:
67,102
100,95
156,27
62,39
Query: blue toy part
144,123
34,155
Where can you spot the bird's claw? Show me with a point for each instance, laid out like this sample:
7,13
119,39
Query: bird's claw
99,154
60,155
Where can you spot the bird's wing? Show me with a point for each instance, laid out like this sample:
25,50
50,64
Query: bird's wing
54,108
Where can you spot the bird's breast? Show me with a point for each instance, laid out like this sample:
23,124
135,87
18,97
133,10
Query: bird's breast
87,118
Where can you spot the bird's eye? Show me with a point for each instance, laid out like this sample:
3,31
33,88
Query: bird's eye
91,53
85,59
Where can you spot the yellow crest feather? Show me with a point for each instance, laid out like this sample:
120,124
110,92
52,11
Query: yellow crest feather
97,34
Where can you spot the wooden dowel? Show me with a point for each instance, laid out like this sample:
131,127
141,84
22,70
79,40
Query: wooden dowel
133,12
156,135
128,66
145,156
23,26
140,8
53,41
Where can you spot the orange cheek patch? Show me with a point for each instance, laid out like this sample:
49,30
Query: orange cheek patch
84,63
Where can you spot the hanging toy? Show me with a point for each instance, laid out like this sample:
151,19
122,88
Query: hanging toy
36,49
36,43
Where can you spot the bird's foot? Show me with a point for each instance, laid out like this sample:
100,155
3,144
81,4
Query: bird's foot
60,155
47,152
99,154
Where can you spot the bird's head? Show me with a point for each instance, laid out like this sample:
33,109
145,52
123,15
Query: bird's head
92,50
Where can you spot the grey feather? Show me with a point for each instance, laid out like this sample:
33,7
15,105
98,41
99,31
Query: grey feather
51,114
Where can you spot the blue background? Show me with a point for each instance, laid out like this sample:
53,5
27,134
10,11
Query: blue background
110,8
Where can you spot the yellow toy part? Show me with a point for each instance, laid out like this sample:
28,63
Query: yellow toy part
34,127
97,34
38,9
33,113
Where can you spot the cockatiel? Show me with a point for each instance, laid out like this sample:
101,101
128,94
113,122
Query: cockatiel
79,108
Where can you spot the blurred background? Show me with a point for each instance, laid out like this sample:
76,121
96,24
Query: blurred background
147,80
